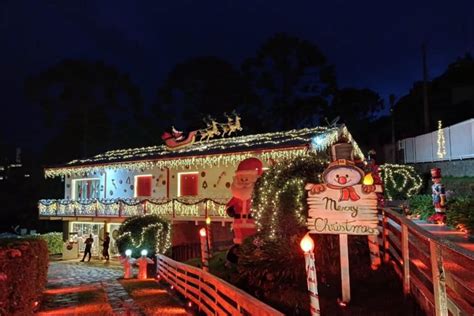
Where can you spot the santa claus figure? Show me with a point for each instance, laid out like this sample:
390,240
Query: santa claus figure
247,173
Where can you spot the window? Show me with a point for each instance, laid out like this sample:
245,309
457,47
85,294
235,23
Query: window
188,184
143,185
83,189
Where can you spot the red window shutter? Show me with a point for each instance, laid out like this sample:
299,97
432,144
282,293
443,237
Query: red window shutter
189,184
144,186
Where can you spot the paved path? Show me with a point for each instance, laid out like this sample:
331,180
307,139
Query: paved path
76,288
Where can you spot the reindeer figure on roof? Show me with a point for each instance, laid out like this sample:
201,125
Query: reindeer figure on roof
232,125
210,131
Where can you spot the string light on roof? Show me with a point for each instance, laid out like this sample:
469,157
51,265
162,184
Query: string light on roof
110,160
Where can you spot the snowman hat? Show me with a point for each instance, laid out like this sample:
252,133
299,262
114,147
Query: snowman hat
343,163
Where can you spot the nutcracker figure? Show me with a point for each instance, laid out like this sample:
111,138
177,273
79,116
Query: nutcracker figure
439,198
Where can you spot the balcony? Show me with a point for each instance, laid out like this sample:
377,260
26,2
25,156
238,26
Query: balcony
181,209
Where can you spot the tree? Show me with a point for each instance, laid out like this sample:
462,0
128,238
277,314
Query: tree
89,106
357,108
293,80
199,87
449,95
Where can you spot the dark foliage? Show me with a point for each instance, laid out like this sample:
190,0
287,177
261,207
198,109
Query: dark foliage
23,274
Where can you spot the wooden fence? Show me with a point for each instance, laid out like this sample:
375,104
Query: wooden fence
438,273
193,250
212,295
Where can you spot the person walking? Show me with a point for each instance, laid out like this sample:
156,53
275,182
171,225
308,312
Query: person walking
105,245
89,241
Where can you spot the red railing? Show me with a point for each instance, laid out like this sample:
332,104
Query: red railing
437,272
212,295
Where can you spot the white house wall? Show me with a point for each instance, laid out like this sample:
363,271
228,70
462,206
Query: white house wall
214,182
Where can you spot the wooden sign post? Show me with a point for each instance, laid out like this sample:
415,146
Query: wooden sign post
343,206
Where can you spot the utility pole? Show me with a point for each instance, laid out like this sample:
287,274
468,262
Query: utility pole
392,114
426,110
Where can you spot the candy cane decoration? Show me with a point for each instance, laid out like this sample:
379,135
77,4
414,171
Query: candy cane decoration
307,244
204,249
223,173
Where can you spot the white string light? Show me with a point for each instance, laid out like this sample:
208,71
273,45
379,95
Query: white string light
159,156
441,141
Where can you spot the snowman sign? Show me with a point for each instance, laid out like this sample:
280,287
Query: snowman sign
344,204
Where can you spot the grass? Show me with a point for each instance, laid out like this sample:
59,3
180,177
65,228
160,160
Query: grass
152,298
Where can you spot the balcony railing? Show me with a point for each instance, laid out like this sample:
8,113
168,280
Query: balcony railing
171,208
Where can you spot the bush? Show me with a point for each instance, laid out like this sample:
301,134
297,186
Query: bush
150,232
460,214
23,274
54,241
421,205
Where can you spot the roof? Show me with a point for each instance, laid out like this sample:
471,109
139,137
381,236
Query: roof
274,145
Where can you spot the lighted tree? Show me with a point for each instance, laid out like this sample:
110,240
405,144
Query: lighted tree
150,232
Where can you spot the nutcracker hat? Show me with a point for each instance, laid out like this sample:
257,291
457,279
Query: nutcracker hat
250,165
435,173
343,163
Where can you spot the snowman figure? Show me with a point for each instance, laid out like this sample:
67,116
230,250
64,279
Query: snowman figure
342,175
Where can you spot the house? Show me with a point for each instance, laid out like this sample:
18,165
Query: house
185,184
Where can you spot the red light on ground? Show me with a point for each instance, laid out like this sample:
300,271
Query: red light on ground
190,304
35,304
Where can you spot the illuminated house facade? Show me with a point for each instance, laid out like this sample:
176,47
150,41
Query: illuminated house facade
185,185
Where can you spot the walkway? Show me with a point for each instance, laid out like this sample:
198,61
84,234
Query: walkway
77,288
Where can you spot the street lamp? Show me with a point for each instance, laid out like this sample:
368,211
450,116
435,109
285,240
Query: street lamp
307,245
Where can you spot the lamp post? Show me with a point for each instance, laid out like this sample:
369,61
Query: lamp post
307,245
204,249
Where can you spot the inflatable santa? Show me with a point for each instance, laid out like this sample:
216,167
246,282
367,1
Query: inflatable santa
239,207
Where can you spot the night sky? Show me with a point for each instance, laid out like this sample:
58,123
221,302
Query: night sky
372,45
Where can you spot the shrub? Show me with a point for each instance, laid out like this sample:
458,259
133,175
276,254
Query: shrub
23,274
421,205
150,232
54,241
400,181
460,214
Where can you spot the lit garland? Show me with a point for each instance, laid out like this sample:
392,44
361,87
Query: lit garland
411,181
134,207
441,141
109,160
